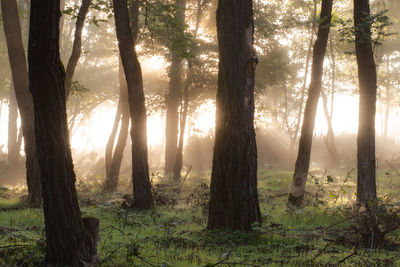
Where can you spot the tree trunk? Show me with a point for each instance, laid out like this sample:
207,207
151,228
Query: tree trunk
12,30
233,197
114,158
303,91
173,99
76,47
366,180
70,240
297,189
179,154
178,164
387,103
13,153
143,198
329,139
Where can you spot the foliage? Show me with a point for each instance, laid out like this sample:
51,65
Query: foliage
378,23
175,235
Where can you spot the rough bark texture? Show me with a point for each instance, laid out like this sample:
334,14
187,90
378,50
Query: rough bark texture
12,30
142,195
297,189
173,99
366,180
76,47
70,241
233,197
114,158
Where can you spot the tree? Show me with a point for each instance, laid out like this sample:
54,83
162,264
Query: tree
233,196
70,240
178,164
143,198
76,47
113,157
366,180
174,94
297,189
12,30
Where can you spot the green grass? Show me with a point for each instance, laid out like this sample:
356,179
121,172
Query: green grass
175,235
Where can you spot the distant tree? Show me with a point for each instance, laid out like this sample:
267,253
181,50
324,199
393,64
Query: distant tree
174,93
297,189
366,180
234,198
76,47
142,194
70,240
113,157
16,53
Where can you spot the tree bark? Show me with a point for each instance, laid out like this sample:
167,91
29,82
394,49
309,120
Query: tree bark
366,180
142,194
12,30
234,197
70,240
76,47
173,99
297,189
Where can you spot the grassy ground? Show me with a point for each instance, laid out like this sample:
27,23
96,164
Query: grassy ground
174,233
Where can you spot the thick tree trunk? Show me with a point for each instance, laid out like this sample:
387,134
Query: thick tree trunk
114,158
233,197
366,180
297,189
12,30
142,194
13,153
173,99
70,240
76,47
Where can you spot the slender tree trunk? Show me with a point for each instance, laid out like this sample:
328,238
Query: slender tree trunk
366,180
173,99
12,30
233,197
179,154
13,153
297,189
110,146
70,240
114,158
329,139
76,47
387,104
143,198
183,117
304,88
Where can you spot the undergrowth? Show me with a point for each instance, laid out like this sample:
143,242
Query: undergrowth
324,232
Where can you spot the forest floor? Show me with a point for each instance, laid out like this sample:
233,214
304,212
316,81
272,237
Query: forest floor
174,234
